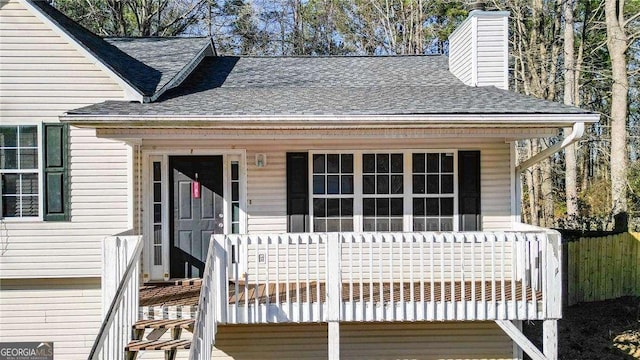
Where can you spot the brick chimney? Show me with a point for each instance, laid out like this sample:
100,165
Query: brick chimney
479,49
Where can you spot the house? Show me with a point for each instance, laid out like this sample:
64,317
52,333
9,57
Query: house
323,207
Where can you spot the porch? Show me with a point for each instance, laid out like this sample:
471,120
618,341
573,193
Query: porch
366,277
354,277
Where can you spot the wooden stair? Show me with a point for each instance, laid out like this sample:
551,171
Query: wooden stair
157,337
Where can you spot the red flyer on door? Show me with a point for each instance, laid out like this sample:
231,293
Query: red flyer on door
195,189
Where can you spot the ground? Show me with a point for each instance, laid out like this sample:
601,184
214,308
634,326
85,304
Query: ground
603,330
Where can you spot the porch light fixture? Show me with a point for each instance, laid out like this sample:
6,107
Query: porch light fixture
261,160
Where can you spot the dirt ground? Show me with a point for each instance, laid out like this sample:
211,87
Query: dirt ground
604,330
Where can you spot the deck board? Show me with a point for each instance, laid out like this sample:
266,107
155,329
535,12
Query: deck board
308,292
169,295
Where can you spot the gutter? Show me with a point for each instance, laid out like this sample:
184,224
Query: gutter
575,135
329,121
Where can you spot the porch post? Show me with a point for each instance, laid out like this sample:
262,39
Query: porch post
334,340
550,339
553,294
334,294
220,276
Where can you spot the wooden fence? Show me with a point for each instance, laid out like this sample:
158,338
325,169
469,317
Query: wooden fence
603,268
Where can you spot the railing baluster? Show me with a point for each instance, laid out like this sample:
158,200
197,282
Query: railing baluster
370,272
256,290
277,264
422,239
298,295
443,295
502,277
432,272
392,305
288,270
412,300
474,301
452,240
514,264
381,273
463,285
267,262
318,302
493,275
307,278
351,299
484,278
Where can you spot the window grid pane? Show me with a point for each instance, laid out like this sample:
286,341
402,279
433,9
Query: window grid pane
332,192
382,178
433,189
157,212
19,185
235,197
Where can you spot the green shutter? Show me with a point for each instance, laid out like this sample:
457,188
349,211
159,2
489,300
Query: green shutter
56,179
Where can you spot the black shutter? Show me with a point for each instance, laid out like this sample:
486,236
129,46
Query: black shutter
56,183
297,192
469,190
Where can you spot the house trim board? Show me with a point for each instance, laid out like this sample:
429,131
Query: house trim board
130,91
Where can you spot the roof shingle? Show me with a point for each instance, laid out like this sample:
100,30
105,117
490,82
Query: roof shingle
392,85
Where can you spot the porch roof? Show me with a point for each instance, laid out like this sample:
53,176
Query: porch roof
249,87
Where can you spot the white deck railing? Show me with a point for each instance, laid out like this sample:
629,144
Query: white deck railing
120,285
206,321
388,276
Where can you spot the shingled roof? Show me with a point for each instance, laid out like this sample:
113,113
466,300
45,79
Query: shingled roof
146,64
366,85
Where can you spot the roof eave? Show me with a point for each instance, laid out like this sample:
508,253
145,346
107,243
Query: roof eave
331,121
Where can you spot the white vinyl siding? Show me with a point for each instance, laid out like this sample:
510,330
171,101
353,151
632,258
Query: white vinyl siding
493,47
461,53
66,312
479,48
266,186
441,340
42,75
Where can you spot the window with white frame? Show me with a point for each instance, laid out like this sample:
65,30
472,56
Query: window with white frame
384,191
19,171
332,192
433,191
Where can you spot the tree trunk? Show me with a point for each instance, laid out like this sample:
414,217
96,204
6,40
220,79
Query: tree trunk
617,45
571,189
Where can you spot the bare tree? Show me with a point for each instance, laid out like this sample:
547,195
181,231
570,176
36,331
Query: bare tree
571,188
617,43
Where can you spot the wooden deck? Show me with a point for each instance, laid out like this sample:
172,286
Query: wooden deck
187,295
456,291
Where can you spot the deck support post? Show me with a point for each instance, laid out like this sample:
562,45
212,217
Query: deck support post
334,340
334,294
550,339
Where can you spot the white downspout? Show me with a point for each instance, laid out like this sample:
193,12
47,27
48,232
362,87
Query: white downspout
575,135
